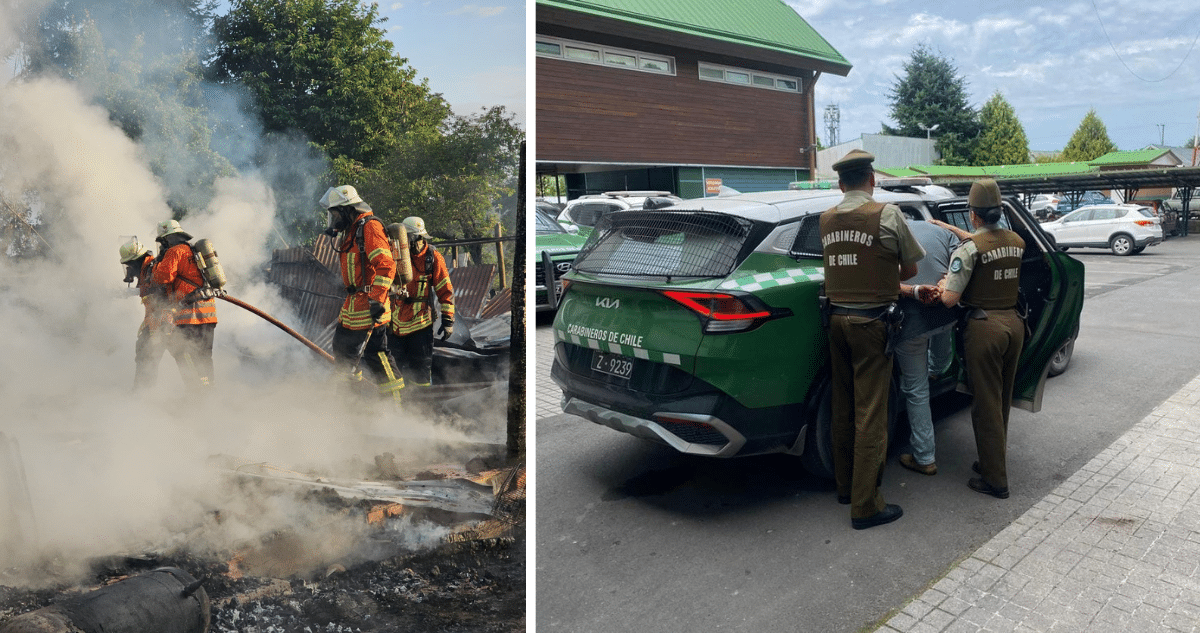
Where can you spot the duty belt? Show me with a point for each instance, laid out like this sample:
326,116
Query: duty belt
870,313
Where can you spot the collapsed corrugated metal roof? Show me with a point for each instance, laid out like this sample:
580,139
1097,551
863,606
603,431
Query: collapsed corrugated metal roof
309,278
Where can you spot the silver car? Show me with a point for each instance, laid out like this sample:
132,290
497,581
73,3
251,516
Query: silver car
1126,229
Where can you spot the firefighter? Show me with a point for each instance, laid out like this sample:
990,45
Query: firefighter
182,287
868,250
365,255
411,335
155,330
984,277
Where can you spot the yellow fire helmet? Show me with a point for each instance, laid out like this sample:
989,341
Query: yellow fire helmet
132,250
171,227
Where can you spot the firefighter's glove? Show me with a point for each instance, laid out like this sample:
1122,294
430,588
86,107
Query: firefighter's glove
377,310
447,328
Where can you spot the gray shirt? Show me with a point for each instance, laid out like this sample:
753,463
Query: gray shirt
939,243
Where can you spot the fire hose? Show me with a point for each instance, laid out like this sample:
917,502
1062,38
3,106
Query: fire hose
277,323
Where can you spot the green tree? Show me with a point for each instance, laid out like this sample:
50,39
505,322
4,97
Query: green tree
140,60
1002,140
1090,140
931,93
462,179
324,68
51,44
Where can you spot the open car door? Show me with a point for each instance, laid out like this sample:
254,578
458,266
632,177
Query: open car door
1051,295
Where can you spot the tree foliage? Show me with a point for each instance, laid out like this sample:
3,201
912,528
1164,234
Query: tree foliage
1002,140
1090,140
52,43
931,93
324,68
139,59
462,179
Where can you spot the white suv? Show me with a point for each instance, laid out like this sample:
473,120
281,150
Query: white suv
587,210
1126,229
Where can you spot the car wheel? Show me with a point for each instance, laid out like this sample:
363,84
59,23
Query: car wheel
818,445
1062,358
1121,244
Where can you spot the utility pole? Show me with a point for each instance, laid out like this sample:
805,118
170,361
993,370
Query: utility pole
1162,133
1196,139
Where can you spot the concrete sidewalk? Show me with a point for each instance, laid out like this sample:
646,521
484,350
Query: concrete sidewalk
1114,548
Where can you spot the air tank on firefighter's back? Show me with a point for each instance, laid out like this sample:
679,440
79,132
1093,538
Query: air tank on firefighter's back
399,239
209,265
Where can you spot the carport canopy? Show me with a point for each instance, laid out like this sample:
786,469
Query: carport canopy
1129,182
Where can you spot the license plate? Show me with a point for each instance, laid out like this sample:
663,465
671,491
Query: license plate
612,364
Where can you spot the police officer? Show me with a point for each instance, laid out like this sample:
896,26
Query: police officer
984,277
868,250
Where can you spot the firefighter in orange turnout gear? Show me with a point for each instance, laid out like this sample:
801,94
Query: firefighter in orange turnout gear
411,335
195,316
156,328
367,267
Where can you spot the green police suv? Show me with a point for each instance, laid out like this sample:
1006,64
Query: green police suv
697,325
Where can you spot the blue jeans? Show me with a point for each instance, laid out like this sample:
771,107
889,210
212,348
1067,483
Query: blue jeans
917,357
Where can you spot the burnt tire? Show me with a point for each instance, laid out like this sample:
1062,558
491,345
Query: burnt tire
1121,244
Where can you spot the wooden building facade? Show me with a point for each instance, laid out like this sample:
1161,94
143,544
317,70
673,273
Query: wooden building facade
658,94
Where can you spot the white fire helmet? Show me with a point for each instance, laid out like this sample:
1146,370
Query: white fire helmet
414,225
340,196
132,250
171,227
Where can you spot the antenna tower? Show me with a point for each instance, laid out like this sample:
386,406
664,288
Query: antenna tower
833,123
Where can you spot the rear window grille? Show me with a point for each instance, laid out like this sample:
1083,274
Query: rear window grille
665,243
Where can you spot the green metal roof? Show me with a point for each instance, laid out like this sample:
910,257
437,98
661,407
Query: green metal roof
899,172
767,24
1136,157
951,170
1040,169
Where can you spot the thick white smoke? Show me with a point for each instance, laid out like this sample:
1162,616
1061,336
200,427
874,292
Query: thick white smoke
110,471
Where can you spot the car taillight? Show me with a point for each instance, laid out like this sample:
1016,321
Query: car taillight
719,312
1144,222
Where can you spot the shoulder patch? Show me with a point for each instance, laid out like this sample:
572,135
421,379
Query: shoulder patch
956,265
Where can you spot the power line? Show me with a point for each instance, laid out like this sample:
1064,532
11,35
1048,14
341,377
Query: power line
1120,59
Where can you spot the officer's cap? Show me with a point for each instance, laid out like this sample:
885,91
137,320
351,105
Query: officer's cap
856,159
985,194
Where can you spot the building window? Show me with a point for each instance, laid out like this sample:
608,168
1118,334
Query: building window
743,77
604,55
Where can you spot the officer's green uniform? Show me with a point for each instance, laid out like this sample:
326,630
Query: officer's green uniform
864,243
986,270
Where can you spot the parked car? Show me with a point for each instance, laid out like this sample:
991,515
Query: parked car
1126,229
586,211
1066,205
555,249
697,325
1044,206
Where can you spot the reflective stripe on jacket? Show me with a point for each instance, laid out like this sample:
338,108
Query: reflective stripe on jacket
177,272
379,269
158,312
415,313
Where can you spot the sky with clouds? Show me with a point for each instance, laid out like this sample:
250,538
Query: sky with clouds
472,53
1136,63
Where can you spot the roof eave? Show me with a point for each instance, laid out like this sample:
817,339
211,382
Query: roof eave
588,20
